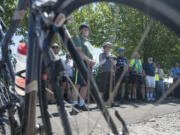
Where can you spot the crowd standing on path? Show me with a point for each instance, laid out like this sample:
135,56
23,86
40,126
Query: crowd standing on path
135,76
138,80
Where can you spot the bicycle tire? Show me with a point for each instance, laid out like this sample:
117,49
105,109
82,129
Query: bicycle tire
166,11
147,6
43,99
139,4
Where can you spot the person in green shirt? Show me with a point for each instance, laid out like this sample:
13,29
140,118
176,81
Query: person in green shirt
85,50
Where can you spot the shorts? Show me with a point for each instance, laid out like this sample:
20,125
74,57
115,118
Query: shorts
105,81
118,75
64,79
150,81
78,79
136,79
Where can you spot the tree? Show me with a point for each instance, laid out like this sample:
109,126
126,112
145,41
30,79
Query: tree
121,25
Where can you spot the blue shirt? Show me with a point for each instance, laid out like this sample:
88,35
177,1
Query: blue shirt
121,63
175,72
149,69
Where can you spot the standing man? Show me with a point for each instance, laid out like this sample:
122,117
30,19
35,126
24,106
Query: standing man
150,78
157,71
120,67
50,96
86,52
67,73
161,80
175,72
136,77
107,65
55,47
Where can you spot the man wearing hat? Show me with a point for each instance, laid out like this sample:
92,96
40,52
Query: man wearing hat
149,70
67,73
86,52
121,65
55,47
107,66
136,77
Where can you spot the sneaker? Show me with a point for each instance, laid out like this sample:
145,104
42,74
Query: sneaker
51,102
134,100
75,110
84,108
143,100
121,101
115,105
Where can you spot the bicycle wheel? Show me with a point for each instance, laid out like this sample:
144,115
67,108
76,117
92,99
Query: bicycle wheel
159,9
68,8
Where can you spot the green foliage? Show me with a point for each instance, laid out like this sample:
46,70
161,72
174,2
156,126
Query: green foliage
9,7
121,25
124,26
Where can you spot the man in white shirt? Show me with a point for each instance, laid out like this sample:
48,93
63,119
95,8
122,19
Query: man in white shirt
67,74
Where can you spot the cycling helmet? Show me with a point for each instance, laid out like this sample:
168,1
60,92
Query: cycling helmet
83,25
121,49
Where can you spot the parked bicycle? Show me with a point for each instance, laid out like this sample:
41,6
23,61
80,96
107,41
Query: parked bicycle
46,19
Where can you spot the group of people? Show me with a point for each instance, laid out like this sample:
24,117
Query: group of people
115,70
130,74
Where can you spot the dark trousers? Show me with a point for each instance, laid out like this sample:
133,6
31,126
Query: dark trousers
156,91
177,89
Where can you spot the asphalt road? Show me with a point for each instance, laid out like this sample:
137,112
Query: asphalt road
93,123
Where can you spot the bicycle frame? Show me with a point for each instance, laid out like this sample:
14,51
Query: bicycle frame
16,20
35,46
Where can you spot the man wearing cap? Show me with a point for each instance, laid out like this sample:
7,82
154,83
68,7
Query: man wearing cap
157,72
107,66
161,80
67,74
150,78
55,49
175,73
121,66
136,77
86,52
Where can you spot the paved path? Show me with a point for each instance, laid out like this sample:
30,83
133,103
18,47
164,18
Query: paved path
94,123
86,122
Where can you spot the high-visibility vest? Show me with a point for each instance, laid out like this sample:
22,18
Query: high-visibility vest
156,74
136,65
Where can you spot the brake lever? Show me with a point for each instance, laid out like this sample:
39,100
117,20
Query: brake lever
125,129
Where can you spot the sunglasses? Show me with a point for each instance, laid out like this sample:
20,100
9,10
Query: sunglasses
55,47
107,47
